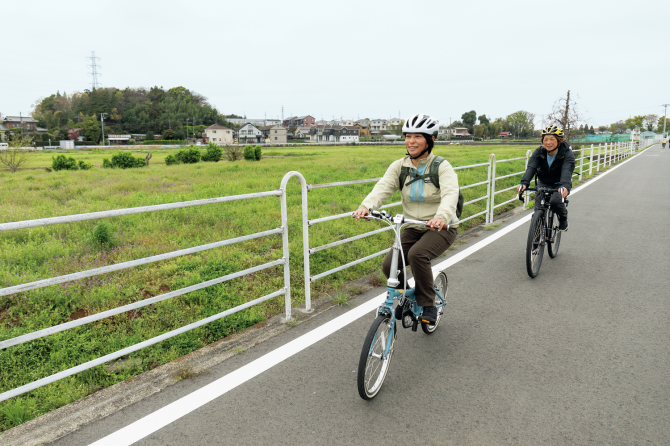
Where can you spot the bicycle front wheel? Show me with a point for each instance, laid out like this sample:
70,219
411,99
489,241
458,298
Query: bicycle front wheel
552,247
374,363
535,245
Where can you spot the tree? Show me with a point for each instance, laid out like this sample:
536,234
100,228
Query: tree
483,120
617,127
149,136
521,122
566,115
649,122
168,134
660,127
397,129
469,119
592,131
636,122
92,129
16,154
480,130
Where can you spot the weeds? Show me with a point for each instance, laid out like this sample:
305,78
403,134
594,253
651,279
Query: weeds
491,227
340,297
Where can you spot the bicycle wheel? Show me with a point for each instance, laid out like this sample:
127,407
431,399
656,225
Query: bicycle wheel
552,247
442,287
534,246
372,367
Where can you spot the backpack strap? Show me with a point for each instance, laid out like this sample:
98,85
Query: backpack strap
433,173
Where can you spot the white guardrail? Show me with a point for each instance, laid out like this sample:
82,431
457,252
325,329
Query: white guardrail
604,156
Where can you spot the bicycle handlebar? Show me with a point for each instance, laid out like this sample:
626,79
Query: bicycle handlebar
540,189
385,216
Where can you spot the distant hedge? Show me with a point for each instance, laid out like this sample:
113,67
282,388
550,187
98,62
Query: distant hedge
164,142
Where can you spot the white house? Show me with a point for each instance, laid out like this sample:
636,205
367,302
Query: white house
249,133
377,125
218,134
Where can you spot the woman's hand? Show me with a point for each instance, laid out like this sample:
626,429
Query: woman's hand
360,213
436,224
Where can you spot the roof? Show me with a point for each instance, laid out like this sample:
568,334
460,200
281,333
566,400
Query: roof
3,126
273,126
118,137
18,119
217,126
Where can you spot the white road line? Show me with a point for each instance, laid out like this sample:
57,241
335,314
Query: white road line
187,404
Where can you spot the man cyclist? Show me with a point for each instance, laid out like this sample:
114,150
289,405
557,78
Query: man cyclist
421,200
553,162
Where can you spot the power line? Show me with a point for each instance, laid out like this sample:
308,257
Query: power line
94,70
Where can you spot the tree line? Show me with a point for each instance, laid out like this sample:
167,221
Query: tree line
175,113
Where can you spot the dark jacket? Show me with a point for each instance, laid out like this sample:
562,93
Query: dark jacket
559,172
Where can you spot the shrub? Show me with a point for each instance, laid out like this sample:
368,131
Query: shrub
249,153
85,166
188,156
212,153
258,154
62,163
124,160
102,234
171,160
233,153
48,169
156,142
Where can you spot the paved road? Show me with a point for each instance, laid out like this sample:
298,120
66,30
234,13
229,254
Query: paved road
579,355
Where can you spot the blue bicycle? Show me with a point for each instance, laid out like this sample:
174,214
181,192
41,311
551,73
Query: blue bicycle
378,346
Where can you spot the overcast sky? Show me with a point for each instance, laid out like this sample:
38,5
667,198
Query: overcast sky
373,59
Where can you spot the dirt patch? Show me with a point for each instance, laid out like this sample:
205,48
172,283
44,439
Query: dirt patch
164,289
78,314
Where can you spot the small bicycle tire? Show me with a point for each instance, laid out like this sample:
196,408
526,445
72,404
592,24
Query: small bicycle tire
552,247
442,287
372,367
534,245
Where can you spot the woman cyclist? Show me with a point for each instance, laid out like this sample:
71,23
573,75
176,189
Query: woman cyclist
553,162
664,142
421,200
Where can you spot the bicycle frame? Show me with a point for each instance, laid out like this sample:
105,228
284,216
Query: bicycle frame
392,283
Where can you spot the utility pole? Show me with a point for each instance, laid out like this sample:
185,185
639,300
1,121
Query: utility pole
194,127
102,119
665,114
186,128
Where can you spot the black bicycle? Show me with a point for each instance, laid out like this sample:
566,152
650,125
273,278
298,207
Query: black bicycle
543,230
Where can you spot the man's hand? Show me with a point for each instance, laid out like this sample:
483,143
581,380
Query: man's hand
563,191
360,213
436,224
520,188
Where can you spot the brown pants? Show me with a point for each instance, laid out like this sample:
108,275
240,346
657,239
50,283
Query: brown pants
420,247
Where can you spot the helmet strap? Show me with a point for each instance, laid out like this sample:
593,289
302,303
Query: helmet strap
419,155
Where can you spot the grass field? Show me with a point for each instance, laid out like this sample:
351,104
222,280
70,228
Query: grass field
50,251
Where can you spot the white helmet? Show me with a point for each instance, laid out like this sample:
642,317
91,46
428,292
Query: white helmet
420,123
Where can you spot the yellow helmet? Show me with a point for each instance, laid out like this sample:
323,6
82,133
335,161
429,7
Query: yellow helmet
553,130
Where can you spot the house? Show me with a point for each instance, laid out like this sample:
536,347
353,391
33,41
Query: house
396,121
249,133
303,132
346,122
274,134
378,125
505,135
334,133
363,129
218,134
8,123
74,134
299,121
118,140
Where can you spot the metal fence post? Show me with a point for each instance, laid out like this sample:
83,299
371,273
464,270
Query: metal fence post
526,196
581,163
591,161
492,194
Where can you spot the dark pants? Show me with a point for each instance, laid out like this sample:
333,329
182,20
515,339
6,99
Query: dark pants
420,247
557,205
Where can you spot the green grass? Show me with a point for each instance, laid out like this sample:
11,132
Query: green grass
39,253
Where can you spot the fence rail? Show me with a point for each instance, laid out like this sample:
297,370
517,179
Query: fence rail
606,155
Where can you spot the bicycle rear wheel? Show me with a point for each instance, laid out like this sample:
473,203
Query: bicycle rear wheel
373,366
552,247
535,245
442,287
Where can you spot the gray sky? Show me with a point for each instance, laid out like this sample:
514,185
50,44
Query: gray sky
371,59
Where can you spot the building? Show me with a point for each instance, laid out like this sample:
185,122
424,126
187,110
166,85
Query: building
378,125
218,134
259,122
118,140
396,121
299,121
346,122
74,134
505,135
8,123
363,129
274,134
249,133
303,132
334,133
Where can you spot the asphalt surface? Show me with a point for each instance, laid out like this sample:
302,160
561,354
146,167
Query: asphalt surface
579,355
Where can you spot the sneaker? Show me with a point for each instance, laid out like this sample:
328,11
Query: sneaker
563,225
429,315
